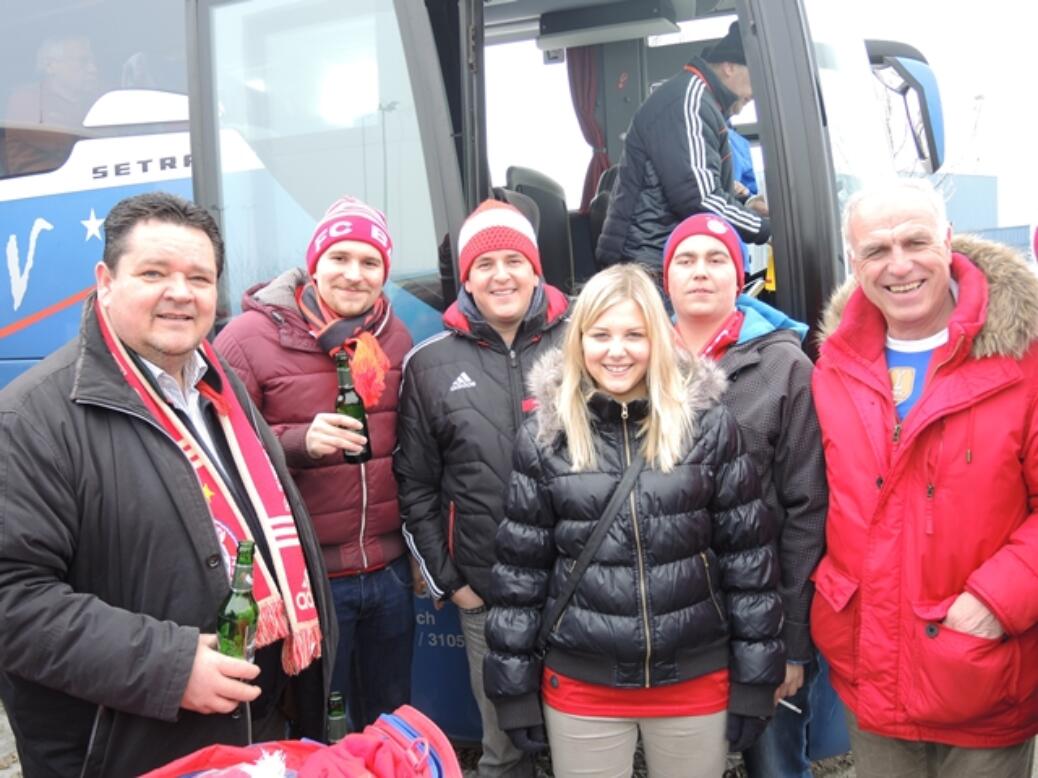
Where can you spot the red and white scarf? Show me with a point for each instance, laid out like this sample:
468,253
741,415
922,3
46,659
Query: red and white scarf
292,618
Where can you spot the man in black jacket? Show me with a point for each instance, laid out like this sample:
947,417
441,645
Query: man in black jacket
677,161
462,401
131,463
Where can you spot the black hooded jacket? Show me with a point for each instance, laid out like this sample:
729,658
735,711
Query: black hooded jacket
683,584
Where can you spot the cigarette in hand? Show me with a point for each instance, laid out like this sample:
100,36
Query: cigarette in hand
791,706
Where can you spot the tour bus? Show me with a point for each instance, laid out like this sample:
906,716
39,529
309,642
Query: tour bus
265,111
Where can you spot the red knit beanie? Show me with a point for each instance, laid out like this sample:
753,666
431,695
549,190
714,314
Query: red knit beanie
715,227
495,225
350,219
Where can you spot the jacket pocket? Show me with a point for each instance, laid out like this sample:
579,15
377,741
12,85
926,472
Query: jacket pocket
834,618
955,678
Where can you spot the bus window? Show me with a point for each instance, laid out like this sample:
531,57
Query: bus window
296,132
530,118
54,72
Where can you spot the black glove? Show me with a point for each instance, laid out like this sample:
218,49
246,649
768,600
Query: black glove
743,731
529,740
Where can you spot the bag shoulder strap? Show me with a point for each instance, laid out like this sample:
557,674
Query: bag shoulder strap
612,508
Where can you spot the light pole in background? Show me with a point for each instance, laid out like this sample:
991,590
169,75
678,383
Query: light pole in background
383,109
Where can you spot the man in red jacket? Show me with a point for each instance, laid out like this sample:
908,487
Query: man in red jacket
284,346
927,394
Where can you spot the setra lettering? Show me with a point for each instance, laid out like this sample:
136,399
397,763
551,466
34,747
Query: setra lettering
127,168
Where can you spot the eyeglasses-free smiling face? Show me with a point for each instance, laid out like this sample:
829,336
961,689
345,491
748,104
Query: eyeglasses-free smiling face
502,284
616,351
901,258
349,277
161,297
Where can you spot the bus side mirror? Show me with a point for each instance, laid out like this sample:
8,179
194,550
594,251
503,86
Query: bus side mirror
905,74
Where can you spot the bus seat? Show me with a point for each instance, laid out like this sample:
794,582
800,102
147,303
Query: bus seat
599,205
553,234
524,203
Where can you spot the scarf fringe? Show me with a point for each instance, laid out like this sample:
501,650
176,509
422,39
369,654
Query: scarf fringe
301,648
273,622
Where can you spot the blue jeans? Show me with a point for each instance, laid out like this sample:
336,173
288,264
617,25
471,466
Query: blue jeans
376,641
781,752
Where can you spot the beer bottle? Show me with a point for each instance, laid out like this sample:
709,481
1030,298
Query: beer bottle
336,718
348,403
238,616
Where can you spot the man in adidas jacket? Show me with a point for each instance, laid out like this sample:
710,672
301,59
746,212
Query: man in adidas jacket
462,401
677,160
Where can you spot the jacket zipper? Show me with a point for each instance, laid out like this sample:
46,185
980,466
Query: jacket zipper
363,513
568,567
642,588
90,742
450,529
897,422
710,585
517,388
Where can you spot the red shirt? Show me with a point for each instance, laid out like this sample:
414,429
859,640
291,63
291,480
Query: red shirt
696,697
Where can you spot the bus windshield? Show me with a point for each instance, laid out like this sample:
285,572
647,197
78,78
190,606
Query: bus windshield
858,133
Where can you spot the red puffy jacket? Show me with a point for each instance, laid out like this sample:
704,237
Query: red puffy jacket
354,508
945,502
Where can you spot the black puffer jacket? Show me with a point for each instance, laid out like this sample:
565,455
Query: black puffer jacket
462,402
682,586
676,162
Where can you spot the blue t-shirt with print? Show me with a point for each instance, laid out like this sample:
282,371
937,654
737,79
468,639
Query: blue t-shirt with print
908,362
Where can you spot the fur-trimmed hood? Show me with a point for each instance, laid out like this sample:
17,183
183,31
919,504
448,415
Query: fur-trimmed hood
1011,322
704,385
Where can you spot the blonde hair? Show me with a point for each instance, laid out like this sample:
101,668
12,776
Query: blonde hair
668,425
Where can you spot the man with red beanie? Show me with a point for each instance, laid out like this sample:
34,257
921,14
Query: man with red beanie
283,346
462,402
769,393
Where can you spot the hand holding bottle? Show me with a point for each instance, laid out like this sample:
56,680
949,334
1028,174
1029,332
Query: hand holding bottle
332,432
218,683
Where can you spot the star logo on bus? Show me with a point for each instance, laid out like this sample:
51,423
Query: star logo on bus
207,492
93,226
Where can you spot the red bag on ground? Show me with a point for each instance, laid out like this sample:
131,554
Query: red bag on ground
402,744
220,761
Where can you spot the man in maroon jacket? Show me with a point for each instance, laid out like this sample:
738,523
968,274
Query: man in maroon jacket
283,347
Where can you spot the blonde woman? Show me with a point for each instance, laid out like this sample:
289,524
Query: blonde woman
673,629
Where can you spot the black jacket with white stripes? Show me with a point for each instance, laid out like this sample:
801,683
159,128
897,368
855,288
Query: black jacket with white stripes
676,162
462,402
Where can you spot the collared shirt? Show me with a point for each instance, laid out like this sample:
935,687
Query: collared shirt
189,401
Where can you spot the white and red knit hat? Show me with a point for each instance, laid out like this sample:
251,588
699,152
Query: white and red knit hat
350,219
493,226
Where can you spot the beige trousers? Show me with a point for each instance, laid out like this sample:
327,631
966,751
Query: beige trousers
675,747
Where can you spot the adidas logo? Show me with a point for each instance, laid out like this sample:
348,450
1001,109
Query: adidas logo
462,382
